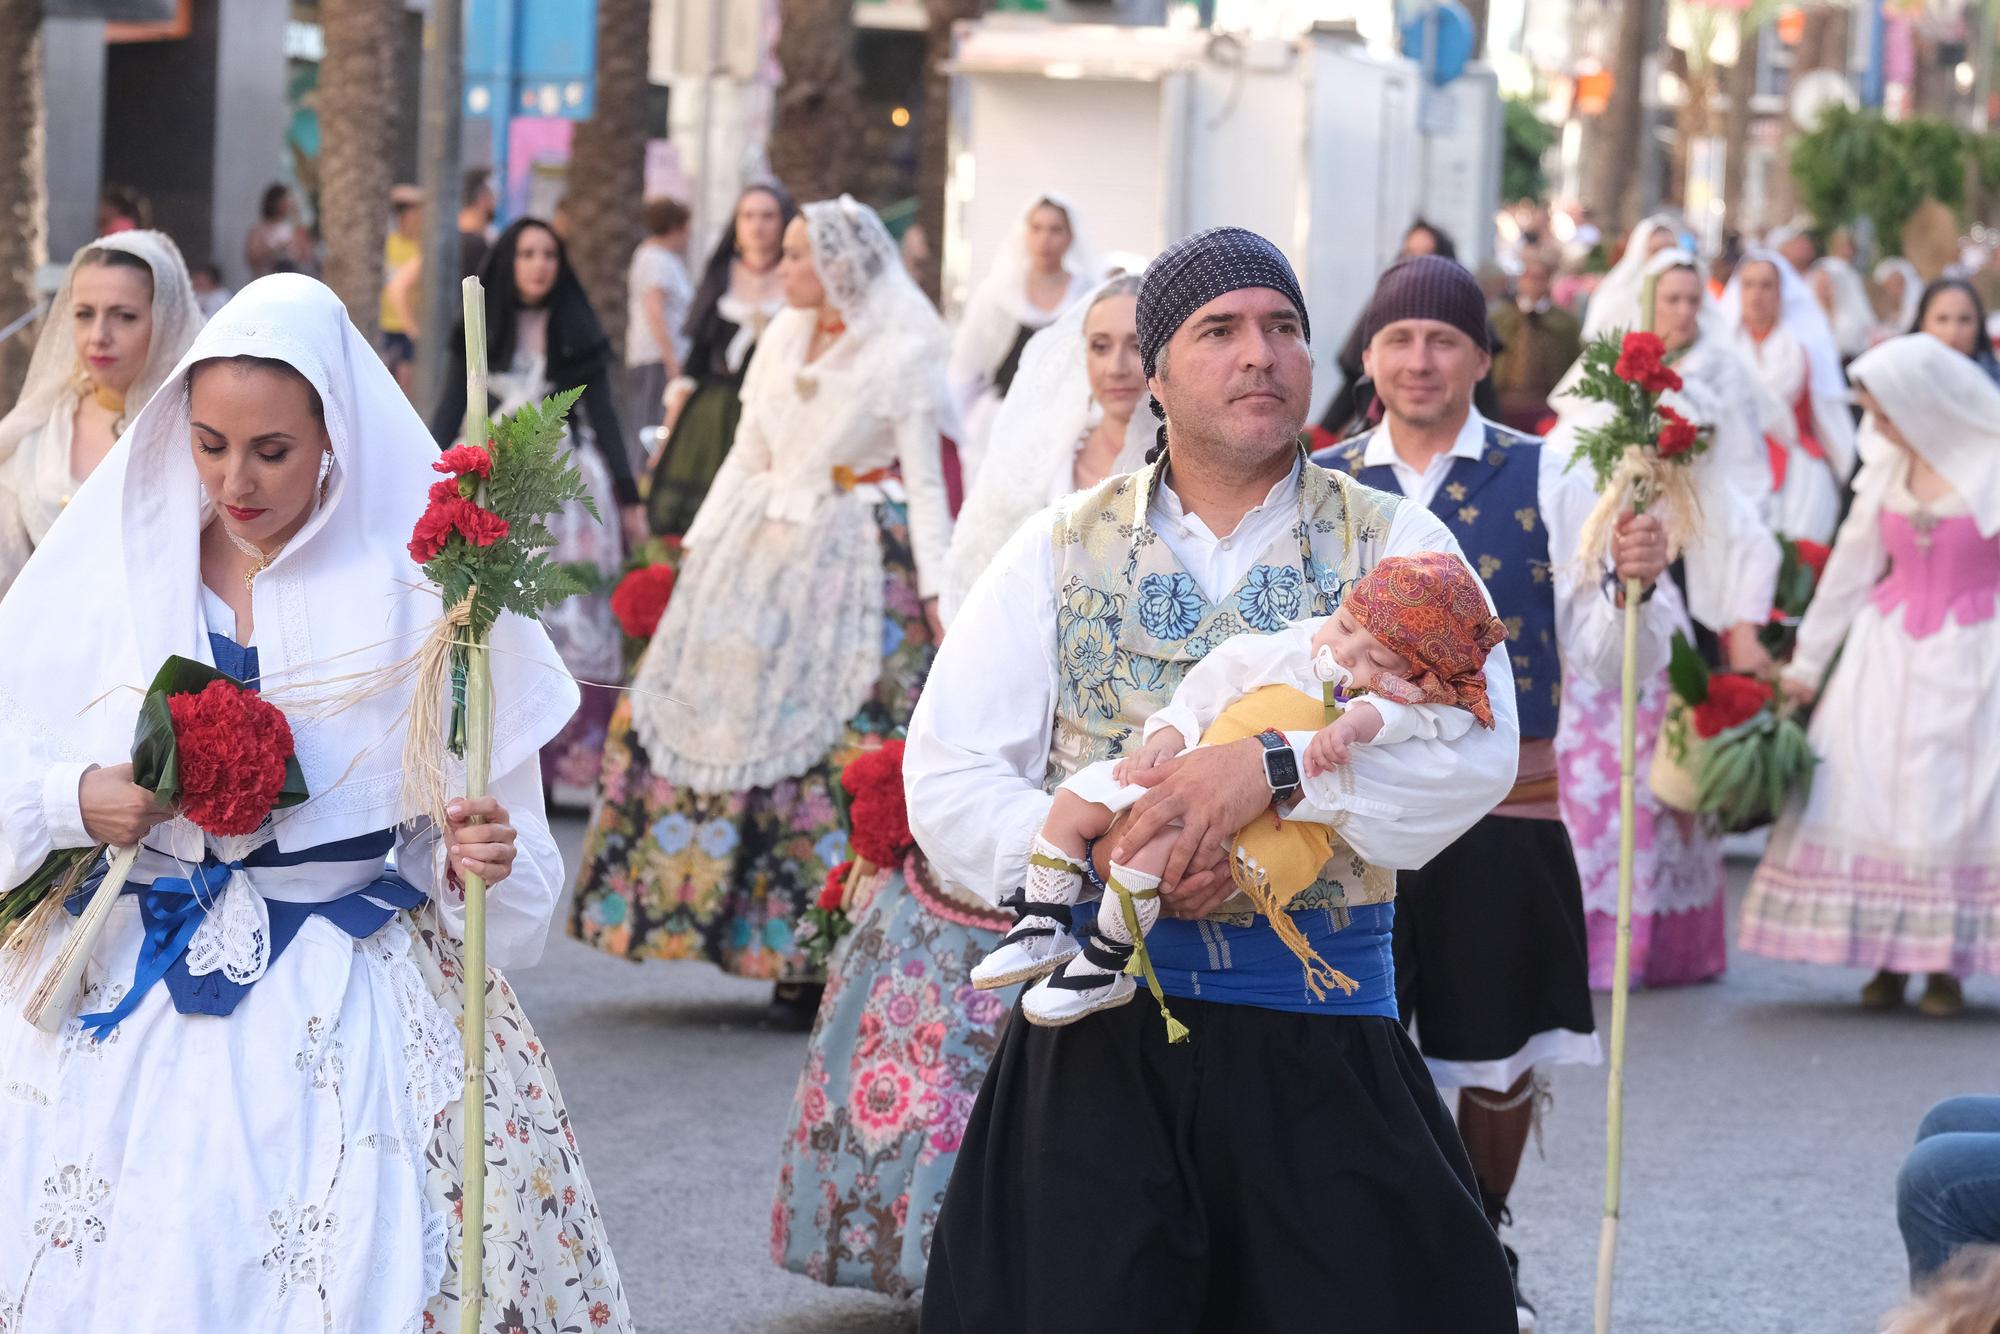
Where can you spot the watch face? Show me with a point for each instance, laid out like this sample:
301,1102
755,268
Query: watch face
1281,768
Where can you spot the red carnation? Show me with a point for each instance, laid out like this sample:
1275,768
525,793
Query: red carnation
1642,361
881,824
480,527
433,527
1678,435
836,887
450,512
641,599
1733,699
231,748
460,460
1813,556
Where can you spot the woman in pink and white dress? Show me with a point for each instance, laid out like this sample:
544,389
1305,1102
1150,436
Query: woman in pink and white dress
1892,860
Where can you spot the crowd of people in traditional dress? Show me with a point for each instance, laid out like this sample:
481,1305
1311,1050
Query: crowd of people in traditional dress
999,553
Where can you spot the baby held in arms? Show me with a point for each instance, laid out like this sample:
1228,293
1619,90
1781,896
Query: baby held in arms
1402,659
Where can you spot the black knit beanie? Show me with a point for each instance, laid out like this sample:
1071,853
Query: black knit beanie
1428,287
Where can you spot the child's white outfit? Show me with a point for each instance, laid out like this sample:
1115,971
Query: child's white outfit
1247,684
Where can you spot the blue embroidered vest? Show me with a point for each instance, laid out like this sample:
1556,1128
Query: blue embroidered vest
1492,507
1130,622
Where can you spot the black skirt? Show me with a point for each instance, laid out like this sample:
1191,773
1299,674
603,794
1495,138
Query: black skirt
1277,1172
1490,944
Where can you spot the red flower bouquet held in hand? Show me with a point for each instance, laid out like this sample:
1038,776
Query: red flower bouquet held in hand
204,743
870,795
1640,455
1735,751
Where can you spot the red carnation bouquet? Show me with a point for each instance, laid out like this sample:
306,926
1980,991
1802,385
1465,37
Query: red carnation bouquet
1798,578
1640,454
206,745
1739,748
870,796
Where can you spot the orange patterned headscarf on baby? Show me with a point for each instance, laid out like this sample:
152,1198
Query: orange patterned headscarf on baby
1430,609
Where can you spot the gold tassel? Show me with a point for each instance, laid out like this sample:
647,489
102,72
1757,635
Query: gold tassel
1256,885
1141,963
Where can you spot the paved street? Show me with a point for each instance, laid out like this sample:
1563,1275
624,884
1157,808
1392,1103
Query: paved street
1766,1120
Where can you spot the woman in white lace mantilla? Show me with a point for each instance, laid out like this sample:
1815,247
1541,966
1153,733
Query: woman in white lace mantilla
1044,268
123,317
260,1133
802,623
1070,421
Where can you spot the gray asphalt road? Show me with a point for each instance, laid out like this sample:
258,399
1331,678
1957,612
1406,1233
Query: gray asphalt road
1766,1117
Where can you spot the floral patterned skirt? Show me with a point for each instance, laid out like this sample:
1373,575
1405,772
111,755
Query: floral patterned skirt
1679,933
669,873
898,1054
548,1267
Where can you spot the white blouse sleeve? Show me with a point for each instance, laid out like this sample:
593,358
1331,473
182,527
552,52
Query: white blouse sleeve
40,813
920,452
1400,805
1852,572
518,909
1590,626
978,743
1419,722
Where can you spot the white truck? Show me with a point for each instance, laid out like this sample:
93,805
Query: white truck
1325,146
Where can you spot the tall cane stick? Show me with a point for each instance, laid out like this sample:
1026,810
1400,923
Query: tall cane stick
478,758
1621,969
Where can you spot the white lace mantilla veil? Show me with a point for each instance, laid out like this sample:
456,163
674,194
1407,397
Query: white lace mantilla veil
999,304
1031,455
114,588
861,267
1944,404
1612,304
54,370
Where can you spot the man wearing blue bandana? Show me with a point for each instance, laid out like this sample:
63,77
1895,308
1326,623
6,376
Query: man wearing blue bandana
1290,1165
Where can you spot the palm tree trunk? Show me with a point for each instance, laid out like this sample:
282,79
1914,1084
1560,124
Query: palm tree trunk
23,201
1739,86
812,128
934,152
1613,190
357,116
607,164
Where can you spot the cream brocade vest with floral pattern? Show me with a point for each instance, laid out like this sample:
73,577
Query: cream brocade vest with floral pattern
1130,622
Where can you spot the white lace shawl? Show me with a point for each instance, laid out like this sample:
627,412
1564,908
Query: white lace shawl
775,634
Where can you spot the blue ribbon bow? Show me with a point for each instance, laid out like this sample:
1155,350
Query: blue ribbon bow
171,911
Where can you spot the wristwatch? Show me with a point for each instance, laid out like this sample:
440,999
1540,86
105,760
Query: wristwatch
1281,766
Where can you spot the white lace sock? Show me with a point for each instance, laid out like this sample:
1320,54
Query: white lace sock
1144,891
1058,883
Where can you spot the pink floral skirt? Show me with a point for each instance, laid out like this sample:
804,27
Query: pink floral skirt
898,1054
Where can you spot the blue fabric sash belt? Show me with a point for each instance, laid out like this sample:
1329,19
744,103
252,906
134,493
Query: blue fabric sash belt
172,909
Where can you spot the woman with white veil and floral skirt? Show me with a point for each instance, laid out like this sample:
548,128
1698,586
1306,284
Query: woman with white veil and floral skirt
255,1121
903,1039
800,630
1727,577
